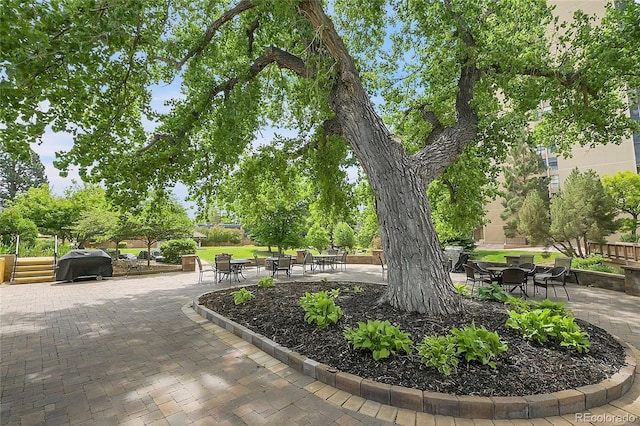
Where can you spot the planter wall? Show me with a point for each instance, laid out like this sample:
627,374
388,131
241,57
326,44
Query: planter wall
604,280
632,280
9,260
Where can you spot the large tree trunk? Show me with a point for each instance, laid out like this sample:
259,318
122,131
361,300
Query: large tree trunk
417,279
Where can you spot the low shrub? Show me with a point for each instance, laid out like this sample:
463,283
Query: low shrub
540,325
462,289
493,292
173,249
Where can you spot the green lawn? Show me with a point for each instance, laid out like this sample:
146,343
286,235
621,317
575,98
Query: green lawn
499,255
209,253
246,252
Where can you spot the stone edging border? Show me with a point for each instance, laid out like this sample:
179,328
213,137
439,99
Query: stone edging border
526,407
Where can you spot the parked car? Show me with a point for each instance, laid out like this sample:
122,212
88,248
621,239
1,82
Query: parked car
155,255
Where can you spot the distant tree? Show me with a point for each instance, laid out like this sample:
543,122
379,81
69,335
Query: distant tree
624,188
158,218
97,224
523,174
269,196
581,212
51,214
459,196
12,223
317,237
367,219
534,220
343,236
18,173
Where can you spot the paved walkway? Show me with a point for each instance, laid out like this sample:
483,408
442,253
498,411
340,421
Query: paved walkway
132,351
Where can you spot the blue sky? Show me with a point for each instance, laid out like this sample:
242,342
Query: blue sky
54,142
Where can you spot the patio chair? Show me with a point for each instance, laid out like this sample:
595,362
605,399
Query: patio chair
476,275
513,278
526,258
307,261
224,268
566,262
482,266
341,260
383,264
202,269
530,270
284,264
553,277
257,262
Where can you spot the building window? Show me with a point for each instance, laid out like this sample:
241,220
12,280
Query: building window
553,163
554,184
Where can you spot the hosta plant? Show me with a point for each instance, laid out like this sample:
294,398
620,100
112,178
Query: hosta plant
242,296
478,344
439,352
380,337
321,308
266,282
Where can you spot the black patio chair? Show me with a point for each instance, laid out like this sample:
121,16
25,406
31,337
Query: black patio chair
556,276
475,275
513,278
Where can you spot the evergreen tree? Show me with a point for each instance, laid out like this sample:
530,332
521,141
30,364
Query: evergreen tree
523,175
18,173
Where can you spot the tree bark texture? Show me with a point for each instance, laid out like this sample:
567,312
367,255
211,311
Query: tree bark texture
417,277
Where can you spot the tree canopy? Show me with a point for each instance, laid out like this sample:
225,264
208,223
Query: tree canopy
624,188
445,75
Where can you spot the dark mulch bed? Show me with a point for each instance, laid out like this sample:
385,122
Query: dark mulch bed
525,369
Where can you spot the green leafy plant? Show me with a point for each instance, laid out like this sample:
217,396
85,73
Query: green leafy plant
462,289
266,282
320,308
478,344
242,296
535,325
356,289
493,292
380,337
540,325
578,340
324,280
519,304
439,352
556,308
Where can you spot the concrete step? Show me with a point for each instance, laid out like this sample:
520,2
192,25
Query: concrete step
34,270
35,279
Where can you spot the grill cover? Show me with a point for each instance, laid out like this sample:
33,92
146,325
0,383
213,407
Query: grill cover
84,263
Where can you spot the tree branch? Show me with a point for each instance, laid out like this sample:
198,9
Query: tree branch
272,55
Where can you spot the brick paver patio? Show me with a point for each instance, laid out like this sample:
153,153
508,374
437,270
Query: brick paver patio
132,351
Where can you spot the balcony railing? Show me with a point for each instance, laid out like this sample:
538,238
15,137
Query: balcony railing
617,252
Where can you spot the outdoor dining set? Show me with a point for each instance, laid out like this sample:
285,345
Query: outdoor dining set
518,272
226,267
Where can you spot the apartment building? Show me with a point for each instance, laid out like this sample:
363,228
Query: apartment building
603,159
